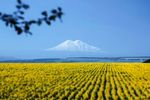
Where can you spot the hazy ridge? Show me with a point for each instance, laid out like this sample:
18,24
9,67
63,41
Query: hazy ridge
80,59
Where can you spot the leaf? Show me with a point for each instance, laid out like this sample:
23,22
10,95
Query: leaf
59,15
19,1
18,29
25,6
13,21
60,9
7,23
18,6
32,22
53,17
20,17
5,16
44,13
54,11
48,22
39,22
27,27
21,12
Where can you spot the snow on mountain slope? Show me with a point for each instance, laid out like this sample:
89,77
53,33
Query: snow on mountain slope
77,45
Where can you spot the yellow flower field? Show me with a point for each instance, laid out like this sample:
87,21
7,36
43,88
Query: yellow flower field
85,81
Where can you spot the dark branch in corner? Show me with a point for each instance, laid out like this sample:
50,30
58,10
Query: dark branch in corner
17,20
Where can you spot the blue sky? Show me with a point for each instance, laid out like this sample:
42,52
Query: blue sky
118,27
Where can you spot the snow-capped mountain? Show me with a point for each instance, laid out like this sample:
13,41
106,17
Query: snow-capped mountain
77,45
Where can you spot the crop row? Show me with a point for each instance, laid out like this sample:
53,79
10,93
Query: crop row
82,81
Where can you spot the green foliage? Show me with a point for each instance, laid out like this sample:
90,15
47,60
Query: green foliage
18,22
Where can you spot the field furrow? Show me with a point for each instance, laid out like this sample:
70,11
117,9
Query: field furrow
79,81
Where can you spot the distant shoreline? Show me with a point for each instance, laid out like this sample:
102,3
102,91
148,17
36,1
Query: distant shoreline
78,59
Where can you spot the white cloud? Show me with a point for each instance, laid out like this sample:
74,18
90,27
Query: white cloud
77,46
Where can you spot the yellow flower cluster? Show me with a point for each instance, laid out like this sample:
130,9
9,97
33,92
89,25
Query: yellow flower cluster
85,81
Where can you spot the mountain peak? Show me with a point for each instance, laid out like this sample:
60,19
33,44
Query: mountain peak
77,45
